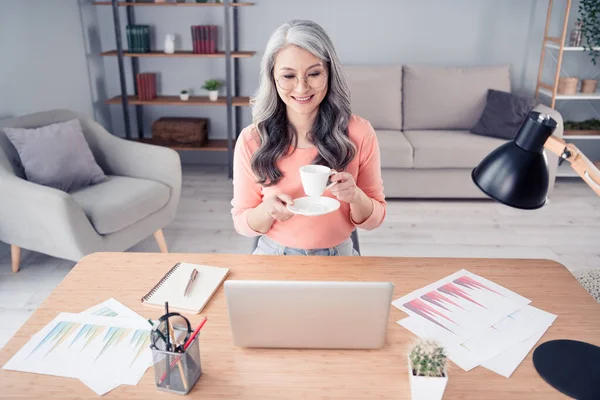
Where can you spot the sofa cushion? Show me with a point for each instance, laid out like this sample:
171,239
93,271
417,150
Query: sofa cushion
56,155
448,97
395,150
450,149
121,201
503,114
376,94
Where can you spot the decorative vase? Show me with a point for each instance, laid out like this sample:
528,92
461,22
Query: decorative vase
169,44
184,96
575,38
213,95
567,85
426,387
589,85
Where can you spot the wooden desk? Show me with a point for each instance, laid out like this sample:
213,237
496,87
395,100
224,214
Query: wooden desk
235,373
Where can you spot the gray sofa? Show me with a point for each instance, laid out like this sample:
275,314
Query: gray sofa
139,198
422,116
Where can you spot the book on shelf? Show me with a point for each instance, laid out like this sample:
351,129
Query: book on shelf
204,39
138,38
146,85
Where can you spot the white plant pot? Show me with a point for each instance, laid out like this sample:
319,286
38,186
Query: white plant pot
213,95
184,96
426,387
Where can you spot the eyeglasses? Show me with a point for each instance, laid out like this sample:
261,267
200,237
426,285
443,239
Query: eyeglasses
314,80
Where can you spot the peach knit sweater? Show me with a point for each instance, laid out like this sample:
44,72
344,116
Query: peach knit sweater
303,232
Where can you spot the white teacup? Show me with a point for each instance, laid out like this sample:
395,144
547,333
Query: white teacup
314,179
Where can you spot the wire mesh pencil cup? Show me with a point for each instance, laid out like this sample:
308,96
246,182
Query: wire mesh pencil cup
177,372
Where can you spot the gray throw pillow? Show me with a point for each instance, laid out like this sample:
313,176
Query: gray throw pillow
503,114
56,155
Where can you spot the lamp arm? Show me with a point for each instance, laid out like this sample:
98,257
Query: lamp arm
579,162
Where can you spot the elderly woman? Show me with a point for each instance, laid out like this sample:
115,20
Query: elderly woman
302,116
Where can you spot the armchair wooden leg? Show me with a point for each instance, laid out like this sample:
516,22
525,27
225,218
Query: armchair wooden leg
160,239
15,254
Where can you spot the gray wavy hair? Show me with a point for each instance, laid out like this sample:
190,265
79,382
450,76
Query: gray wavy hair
329,133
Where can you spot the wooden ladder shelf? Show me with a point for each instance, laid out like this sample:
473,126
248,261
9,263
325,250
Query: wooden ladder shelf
560,41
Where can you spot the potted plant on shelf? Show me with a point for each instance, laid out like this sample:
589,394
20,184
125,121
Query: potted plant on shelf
184,95
589,127
213,86
589,18
427,370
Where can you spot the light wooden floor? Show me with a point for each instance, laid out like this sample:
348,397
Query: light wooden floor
566,230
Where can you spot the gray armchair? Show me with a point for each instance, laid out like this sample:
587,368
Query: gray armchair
138,199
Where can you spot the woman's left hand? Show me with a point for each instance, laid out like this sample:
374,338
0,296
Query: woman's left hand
345,189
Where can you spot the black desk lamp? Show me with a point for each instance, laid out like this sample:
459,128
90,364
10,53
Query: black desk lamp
516,174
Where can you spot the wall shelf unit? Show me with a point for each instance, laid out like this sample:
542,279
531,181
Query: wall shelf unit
231,54
180,53
557,48
176,101
558,43
211,145
576,96
169,4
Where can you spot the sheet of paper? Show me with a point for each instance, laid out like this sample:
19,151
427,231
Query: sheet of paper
99,349
507,362
110,308
498,338
461,305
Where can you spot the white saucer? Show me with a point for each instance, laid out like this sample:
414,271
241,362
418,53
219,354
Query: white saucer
314,206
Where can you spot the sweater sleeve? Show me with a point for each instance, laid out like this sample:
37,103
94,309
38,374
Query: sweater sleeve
247,194
369,179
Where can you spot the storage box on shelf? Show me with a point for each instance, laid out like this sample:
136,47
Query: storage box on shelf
180,131
231,100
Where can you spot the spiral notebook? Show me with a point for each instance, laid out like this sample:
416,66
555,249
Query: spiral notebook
172,286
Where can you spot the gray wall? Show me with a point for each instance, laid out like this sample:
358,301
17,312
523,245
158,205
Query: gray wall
43,57
460,32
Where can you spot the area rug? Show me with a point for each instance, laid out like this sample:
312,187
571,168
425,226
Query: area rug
590,279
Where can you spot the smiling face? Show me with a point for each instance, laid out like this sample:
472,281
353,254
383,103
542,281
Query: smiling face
294,62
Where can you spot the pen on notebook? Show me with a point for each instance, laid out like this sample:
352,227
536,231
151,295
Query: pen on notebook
191,281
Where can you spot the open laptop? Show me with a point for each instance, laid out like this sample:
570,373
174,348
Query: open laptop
308,314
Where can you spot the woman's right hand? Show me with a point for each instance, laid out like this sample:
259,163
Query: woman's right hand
273,208
276,206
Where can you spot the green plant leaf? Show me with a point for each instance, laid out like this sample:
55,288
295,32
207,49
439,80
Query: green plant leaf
589,16
212,84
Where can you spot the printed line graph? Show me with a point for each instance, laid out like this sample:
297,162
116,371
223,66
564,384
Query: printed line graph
461,304
422,305
112,337
105,346
473,284
56,336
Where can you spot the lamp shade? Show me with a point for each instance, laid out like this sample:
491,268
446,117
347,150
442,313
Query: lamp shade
516,173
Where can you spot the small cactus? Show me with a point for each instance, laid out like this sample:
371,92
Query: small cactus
428,358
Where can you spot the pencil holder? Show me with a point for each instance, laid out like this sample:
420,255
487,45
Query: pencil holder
177,372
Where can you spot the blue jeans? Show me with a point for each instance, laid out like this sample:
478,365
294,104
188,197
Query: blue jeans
267,246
